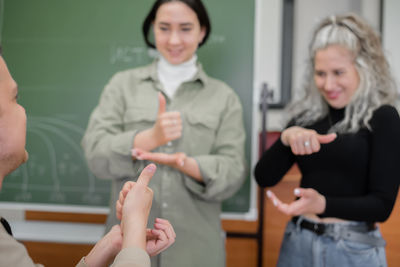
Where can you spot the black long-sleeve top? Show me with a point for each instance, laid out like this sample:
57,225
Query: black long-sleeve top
357,173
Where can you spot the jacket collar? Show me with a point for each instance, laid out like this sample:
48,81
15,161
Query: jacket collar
150,73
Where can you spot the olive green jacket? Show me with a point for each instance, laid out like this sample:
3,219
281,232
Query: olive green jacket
213,134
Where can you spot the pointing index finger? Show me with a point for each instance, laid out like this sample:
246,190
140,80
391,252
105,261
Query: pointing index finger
146,175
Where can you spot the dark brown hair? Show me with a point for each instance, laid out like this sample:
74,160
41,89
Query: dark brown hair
196,5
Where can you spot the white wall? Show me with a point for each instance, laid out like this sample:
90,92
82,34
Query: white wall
310,12
306,14
391,36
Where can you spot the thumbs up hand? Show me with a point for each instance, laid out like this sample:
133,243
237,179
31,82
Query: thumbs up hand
168,126
304,141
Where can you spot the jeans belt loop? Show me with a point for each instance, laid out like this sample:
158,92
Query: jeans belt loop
297,220
319,228
336,231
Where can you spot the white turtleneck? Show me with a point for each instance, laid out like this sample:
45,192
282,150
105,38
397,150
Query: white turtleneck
172,76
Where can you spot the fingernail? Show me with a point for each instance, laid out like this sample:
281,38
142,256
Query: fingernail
269,193
135,154
151,168
275,202
297,191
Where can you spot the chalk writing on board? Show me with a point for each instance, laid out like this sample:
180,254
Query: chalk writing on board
57,168
128,54
141,55
217,39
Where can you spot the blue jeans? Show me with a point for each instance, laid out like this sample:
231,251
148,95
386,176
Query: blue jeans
304,248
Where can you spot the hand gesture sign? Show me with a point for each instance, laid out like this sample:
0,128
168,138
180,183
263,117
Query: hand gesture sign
159,238
305,141
175,160
135,198
134,205
309,202
168,126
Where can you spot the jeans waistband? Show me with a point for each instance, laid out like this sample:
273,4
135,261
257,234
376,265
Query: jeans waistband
356,233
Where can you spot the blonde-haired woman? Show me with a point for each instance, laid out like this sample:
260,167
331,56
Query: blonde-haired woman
344,135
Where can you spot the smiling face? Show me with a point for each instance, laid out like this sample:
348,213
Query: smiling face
335,75
12,125
177,32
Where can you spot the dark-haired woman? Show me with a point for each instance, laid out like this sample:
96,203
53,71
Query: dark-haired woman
172,113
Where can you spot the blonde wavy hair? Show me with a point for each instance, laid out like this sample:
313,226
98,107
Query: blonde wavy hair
377,86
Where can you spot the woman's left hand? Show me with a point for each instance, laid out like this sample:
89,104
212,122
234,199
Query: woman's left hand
159,238
309,202
176,160
179,161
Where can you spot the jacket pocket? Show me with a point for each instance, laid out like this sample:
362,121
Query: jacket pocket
202,130
139,119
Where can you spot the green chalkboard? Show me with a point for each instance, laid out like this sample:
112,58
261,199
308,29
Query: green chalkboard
62,53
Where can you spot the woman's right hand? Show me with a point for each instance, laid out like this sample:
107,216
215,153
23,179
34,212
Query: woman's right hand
168,126
304,141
